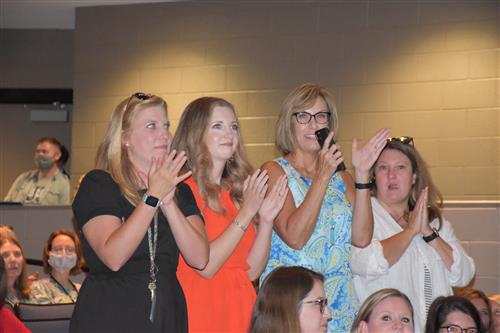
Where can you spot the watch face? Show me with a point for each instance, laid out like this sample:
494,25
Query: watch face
151,201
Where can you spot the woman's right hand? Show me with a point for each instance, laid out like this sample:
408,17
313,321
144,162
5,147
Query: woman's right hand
254,192
329,159
163,175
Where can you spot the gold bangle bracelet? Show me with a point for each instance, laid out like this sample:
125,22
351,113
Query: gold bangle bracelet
239,225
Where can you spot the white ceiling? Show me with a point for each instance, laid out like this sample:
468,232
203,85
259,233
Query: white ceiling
49,14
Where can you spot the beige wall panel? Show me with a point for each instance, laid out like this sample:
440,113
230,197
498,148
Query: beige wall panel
450,181
369,42
472,35
298,18
392,69
346,71
443,66
342,16
83,135
392,14
416,96
430,124
203,79
481,182
161,80
475,224
482,152
258,130
95,109
420,39
482,122
180,54
83,159
365,98
264,103
484,64
401,124
484,254
468,94
258,154
443,11
351,126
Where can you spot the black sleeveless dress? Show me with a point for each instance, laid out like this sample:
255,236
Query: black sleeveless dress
120,301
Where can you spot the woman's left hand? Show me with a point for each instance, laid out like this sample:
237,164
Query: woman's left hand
363,158
274,201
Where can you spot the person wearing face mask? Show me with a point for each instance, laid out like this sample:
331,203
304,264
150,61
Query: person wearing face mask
47,184
62,257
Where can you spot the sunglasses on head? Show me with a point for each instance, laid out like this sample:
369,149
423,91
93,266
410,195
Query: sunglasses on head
140,96
407,140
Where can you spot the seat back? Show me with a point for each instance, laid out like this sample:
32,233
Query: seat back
44,318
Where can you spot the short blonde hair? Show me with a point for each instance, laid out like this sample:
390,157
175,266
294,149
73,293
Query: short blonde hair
369,305
300,99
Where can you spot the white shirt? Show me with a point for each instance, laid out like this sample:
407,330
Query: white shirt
372,272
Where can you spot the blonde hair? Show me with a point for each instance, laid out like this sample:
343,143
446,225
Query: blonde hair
189,137
300,99
112,154
369,305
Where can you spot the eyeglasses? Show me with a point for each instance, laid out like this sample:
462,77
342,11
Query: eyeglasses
59,250
305,117
322,302
139,95
458,329
407,140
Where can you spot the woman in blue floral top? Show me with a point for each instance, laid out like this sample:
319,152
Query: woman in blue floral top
317,224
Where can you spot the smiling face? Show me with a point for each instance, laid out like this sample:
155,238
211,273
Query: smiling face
391,315
459,319
310,317
394,177
304,133
13,257
148,137
222,134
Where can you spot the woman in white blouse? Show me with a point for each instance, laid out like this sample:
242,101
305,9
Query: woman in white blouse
414,249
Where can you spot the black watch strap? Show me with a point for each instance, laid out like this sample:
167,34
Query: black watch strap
363,186
431,237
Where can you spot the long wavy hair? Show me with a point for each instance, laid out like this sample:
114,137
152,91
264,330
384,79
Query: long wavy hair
21,285
189,137
300,99
369,305
471,294
112,155
423,178
279,299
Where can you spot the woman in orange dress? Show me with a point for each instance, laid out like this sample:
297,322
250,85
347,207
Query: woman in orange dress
221,296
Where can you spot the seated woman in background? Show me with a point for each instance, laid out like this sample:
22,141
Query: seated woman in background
62,257
414,249
482,304
384,311
18,289
8,321
291,299
6,231
495,312
453,314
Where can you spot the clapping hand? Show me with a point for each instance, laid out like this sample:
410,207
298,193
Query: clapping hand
419,220
363,158
274,201
163,175
254,192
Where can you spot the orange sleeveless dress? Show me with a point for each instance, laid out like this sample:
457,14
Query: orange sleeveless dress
224,302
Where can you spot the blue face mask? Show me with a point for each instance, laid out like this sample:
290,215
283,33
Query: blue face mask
62,263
